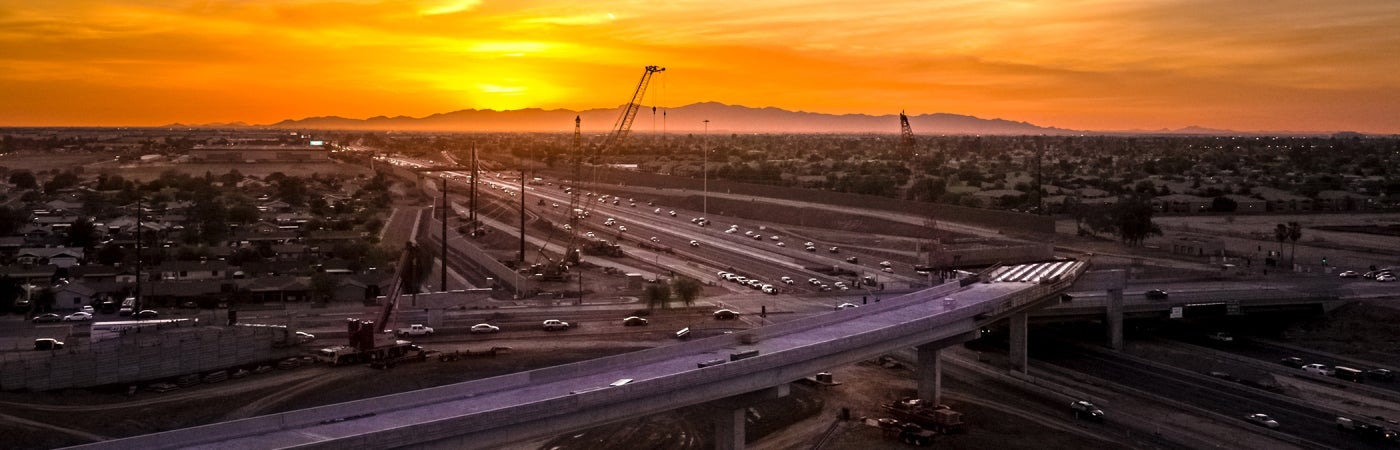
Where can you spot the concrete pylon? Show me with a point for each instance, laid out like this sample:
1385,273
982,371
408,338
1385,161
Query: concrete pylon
1019,340
729,414
930,373
1114,319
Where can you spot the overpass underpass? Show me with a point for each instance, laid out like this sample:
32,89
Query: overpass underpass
724,371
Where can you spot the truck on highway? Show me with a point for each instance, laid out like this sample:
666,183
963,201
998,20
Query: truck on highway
416,330
939,418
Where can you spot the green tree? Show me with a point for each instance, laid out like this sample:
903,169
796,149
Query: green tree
688,289
1134,219
24,179
657,295
82,234
323,287
1295,232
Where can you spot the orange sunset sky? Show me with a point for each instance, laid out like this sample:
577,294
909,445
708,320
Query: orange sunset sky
1079,64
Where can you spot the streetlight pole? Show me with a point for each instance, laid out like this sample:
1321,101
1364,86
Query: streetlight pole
705,171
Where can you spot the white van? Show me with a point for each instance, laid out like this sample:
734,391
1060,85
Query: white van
128,307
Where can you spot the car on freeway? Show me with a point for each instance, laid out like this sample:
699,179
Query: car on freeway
147,314
48,317
1385,278
1156,294
633,321
1262,420
694,243
622,228
555,324
78,317
834,250
1349,274
847,306
304,337
484,328
673,214
808,244
725,314
1291,361
757,237
781,244
657,211
769,289
786,280
1381,374
656,239
887,270
1085,410
1221,337
884,264
853,260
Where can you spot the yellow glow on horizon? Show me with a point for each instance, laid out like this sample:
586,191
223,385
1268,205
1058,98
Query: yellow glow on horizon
1082,64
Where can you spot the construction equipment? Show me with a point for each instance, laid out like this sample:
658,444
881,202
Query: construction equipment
939,418
615,138
906,136
371,342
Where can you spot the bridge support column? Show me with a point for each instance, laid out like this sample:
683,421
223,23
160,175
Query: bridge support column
730,413
930,373
1114,321
1019,341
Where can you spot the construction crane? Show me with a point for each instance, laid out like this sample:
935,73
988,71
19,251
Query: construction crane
906,136
615,138
623,126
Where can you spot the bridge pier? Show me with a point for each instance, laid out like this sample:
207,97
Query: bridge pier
930,373
1114,321
730,413
1017,352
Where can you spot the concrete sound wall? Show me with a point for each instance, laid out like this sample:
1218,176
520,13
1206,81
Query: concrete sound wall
146,356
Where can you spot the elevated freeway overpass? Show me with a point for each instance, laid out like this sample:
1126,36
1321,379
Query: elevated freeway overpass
723,372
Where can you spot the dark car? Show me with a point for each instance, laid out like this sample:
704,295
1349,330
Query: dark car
1292,361
147,314
1381,374
725,314
633,321
1157,294
1085,410
50,317
853,260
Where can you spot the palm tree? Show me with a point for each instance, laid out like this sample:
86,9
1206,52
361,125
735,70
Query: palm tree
1281,234
1295,232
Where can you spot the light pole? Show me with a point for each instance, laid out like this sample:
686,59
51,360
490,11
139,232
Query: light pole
705,171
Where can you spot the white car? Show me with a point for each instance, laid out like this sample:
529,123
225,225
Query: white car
622,228
887,270
781,244
87,309
787,280
78,317
484,328
846,306
1385,278
694,243
1262,420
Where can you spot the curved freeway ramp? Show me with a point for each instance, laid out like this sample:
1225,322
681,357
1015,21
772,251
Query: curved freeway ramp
493,412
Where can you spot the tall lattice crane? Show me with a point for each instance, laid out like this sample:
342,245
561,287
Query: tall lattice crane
906,136
623,126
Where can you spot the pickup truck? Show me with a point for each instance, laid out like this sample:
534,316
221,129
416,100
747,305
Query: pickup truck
416,330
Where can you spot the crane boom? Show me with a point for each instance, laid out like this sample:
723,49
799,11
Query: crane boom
906,136
624,122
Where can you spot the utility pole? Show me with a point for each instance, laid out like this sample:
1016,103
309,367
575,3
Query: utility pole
522,215
471,215
138,257
443,286
705,171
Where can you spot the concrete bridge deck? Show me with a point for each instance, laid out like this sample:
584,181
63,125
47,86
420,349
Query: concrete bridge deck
511,408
